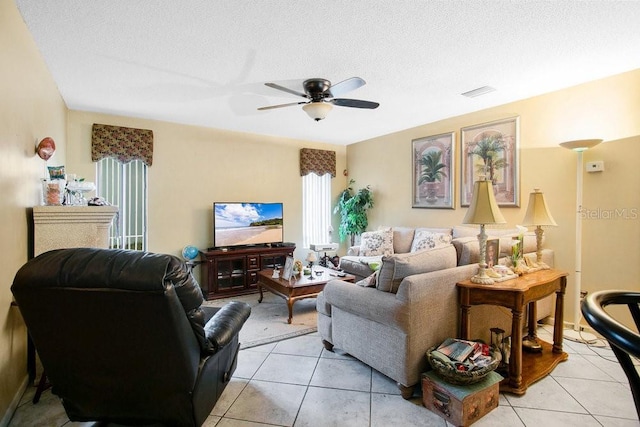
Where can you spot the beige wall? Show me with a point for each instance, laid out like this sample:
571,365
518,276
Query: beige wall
608,109
30,109
194,167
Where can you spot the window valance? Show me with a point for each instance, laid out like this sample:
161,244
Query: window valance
122,143
319,162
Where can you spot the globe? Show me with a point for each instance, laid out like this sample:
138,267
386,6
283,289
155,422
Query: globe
190,252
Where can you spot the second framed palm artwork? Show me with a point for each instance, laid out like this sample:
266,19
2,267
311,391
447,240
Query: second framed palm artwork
433,171
491,150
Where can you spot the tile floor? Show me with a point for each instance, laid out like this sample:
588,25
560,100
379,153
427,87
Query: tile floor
297,383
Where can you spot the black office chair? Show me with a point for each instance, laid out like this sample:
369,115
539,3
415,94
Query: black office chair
624,342
124,338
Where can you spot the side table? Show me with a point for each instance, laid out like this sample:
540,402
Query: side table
516,294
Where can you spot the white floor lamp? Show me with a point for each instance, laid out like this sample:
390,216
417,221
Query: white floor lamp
579,146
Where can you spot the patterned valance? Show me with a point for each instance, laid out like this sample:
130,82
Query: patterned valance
319,162
124,144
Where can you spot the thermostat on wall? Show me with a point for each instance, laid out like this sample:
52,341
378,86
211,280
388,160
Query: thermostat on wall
597,166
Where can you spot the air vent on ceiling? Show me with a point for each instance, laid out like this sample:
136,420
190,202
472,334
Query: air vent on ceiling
479,91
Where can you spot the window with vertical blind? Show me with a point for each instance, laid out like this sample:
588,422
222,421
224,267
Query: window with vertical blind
316,209
125,185
122,156
317,167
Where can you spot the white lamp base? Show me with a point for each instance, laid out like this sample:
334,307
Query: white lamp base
482,278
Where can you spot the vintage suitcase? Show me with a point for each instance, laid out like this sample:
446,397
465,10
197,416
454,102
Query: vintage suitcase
458,404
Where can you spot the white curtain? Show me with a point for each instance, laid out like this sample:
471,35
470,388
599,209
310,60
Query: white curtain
316,209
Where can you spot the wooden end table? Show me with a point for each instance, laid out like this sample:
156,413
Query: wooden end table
516,294
298,287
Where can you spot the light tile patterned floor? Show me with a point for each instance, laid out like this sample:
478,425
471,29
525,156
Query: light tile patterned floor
298,383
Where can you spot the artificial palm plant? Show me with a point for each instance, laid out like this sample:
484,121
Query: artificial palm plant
432,168
488,149
353,211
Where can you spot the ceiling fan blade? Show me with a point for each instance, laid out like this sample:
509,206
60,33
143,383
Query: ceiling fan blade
271,107
345,86
355,103
286,89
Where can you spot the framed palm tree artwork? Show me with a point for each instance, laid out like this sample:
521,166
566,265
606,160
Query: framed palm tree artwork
491,150
433,171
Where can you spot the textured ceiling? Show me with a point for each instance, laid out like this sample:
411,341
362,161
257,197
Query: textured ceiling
205,62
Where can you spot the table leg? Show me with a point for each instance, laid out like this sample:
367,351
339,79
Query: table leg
290,307
515,361
558,321
530,342
531,321
463,302
465,325
260,289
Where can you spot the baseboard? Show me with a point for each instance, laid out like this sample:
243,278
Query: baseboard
4,422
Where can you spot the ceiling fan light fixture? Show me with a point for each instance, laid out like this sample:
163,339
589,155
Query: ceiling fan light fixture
317,110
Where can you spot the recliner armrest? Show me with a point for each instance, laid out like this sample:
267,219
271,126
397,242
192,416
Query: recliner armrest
225,324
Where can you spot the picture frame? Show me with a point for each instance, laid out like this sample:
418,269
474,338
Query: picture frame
492,252
287,271
492,149
433,161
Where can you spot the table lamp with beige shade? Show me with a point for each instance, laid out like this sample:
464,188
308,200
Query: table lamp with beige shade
538,215
311,258
483,210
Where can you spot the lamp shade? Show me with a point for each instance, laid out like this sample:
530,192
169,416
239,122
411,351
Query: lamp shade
311,257
317,110
580,144
483,208
537,211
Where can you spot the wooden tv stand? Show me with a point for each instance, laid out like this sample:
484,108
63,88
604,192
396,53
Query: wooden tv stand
233,272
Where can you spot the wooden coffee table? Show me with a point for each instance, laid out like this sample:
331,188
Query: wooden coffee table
298,287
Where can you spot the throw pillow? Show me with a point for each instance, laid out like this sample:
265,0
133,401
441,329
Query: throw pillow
374,243
396,267
424,240
402,238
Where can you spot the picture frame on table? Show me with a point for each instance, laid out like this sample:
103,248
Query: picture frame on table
492,150
492,252
433,161
287,271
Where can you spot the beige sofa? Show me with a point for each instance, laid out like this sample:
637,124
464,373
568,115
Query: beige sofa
389,323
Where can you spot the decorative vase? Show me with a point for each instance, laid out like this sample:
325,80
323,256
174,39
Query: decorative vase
432,192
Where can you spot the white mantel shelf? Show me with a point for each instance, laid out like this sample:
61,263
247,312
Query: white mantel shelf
58,227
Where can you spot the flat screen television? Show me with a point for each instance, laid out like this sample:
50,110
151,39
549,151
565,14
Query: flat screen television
247,224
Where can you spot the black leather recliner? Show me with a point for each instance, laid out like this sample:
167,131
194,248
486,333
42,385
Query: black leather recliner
123,336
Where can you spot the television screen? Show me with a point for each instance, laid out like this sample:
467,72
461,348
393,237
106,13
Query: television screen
245,224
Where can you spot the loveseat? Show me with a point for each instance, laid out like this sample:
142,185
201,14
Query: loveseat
393,315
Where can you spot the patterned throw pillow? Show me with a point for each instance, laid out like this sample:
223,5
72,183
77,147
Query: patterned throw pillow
374,243
424,240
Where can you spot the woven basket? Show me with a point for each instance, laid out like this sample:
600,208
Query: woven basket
450,374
